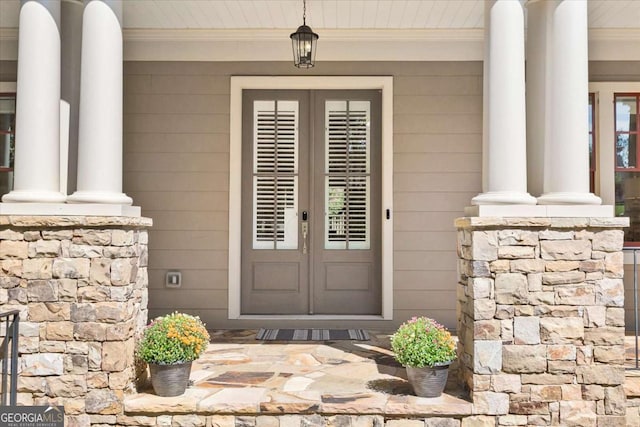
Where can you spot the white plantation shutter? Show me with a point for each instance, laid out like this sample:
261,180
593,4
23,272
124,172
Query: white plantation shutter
347,174
275,175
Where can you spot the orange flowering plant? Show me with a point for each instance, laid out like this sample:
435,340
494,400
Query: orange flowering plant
421,342
174,338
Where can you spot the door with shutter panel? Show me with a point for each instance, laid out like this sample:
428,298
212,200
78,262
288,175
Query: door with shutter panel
316,152
347,181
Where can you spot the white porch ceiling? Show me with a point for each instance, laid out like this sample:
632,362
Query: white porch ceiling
327,14
341,14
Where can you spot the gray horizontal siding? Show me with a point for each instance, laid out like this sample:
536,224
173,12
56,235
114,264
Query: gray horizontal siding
177,166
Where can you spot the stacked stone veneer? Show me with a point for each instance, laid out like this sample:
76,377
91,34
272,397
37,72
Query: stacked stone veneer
80,284
541,319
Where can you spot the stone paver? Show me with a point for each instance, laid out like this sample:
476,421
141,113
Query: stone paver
238,374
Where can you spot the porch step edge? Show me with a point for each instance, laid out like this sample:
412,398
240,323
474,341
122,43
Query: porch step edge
257,402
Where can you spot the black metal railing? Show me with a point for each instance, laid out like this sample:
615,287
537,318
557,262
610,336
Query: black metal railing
9,353
634,251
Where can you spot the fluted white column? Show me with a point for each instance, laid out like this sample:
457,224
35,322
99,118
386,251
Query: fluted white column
566,155
100,129
504,151
37,153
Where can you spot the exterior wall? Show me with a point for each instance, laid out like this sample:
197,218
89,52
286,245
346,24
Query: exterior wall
541,333
177,168
80,284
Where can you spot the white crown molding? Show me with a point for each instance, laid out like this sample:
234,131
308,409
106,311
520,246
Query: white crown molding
436,34
614,44
614,34
274,45
425,34
605,44
201,35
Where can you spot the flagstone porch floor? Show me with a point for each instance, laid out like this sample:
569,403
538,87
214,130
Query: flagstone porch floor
240,375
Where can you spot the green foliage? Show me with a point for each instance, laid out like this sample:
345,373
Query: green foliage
174,338
421,342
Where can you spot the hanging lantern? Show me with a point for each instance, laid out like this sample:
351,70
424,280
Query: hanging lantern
304,42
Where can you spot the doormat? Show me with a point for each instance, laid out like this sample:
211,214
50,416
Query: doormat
312,334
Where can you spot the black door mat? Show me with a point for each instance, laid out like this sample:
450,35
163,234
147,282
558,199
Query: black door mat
312,334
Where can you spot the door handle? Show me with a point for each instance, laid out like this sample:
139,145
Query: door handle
305,231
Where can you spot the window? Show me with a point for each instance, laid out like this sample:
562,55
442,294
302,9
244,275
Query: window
347,174
7,140
627,169
275,175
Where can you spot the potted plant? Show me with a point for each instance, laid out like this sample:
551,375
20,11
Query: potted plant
426,349
169,344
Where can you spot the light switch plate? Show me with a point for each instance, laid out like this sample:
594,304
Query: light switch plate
173,279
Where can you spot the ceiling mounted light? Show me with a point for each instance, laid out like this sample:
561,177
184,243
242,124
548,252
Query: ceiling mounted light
304,42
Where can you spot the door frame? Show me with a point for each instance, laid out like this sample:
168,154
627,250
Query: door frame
240,83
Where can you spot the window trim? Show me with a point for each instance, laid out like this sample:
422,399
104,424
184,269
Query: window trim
240,83
636,132
605,131
8,90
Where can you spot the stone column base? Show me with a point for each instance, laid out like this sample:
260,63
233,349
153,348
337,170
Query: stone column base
541,319
80,284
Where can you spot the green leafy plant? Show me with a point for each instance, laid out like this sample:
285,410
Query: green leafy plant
174,338
421,342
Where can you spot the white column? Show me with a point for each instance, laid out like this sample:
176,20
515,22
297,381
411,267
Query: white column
100,128
37,151
566,154
504,162
485,98
536,72
71,36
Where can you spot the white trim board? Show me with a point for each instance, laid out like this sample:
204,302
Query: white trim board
427,44
240,83
435,44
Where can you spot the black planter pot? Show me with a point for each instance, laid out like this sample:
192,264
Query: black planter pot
170,380
428,381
